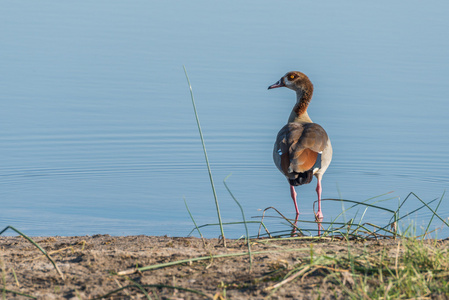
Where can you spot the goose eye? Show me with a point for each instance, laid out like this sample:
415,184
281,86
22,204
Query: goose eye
292,76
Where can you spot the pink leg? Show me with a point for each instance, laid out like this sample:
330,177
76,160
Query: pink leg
319,215
293,194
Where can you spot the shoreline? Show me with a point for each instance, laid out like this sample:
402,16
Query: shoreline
90,265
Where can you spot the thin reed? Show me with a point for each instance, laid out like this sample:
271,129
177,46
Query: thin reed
206,158
193,220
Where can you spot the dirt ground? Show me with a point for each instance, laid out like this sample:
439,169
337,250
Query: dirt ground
90,265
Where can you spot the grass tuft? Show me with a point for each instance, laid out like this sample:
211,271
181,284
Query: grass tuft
354,227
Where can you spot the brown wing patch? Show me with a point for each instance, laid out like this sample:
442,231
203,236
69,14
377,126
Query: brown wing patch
285,162
304,160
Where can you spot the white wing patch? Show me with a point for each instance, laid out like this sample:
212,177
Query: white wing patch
317,166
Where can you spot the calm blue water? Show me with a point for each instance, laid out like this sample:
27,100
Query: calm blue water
98,132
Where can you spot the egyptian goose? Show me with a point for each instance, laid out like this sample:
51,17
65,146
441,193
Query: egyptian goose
302,148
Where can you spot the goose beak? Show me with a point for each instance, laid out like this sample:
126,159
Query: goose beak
278,84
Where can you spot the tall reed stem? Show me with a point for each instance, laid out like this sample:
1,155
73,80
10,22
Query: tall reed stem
207,159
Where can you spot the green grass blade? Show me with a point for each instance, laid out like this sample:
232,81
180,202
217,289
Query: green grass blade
244,222
359,203
189,260
283,217
37,246
205,156
17,293
396,217
436,209
140,287
193,220
226,223
434,212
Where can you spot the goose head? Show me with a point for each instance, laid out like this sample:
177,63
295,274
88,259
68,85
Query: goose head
294,80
